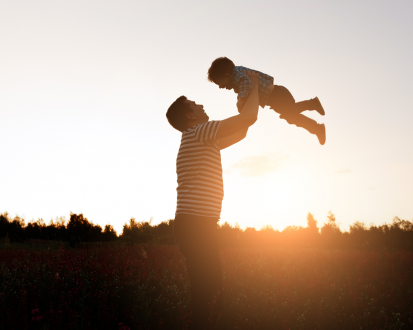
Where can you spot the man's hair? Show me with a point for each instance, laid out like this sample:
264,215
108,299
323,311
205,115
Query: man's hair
176,114
219,68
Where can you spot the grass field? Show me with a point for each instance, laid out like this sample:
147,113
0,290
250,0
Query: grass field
48,285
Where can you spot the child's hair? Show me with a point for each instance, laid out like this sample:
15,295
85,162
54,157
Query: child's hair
176,114
219,68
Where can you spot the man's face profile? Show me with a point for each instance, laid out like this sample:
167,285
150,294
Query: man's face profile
197,112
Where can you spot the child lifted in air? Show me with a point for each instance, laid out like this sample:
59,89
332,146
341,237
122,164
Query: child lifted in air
225,74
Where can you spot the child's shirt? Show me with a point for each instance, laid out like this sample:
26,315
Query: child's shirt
243,85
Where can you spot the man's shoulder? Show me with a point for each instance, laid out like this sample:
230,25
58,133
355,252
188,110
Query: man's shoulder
204,133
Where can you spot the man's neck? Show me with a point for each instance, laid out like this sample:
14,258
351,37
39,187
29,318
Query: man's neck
194,123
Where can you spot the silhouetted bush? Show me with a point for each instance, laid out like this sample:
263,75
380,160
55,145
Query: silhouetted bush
136,232
141,232
13,227
109,234
164,232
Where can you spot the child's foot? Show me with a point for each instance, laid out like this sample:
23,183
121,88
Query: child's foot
321,133
318,107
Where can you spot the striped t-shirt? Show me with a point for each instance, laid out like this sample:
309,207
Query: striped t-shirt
199,170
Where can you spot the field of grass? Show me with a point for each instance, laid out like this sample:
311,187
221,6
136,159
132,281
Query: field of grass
48,285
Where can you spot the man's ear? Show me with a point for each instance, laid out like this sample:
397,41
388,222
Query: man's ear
190,115
227,75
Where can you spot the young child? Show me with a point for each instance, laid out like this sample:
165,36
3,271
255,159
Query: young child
225,74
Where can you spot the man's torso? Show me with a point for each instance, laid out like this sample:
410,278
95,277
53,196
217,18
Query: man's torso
199,172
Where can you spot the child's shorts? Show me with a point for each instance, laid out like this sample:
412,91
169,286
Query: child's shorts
281,100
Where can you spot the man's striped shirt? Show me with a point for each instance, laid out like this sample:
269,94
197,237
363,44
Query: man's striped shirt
199,170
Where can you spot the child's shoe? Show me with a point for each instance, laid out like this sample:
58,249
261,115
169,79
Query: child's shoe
321,133
317,106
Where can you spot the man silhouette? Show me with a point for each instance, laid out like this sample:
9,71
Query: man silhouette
200,193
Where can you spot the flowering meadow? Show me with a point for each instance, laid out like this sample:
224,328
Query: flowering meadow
146,287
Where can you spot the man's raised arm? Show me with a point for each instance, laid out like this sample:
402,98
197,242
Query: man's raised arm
234,129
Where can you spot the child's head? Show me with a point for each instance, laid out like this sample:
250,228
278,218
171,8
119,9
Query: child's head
220,72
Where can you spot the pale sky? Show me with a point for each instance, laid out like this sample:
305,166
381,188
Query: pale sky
85,85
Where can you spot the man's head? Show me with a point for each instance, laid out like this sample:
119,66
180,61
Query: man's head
183,114
220,72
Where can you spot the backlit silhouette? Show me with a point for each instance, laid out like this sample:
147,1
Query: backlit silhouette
200,193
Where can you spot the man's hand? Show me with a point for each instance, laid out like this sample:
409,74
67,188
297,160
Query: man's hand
245,119
254,77
241,102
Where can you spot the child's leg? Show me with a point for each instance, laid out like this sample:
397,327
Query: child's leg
282,102
313,104
308,124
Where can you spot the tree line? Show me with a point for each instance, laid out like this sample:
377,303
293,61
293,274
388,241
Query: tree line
78,229
397,235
